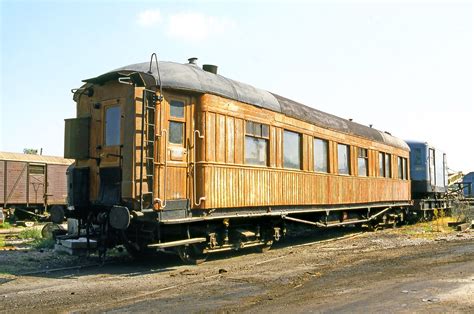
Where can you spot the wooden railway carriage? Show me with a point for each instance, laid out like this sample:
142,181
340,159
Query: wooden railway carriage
179,156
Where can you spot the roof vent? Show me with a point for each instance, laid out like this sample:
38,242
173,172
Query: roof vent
193,60
210,68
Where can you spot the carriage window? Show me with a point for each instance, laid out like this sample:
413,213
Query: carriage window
36,169
362,162
402,168
405,169
388,165
176,123
112,126
176,132
381,164
343,158
385,165
256,143
177,109
321,160
291,150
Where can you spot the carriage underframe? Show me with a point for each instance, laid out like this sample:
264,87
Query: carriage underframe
200,233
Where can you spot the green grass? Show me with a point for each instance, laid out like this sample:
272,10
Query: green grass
5,225
428,229
43,243
30,233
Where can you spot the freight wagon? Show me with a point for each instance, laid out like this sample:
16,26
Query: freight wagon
32,182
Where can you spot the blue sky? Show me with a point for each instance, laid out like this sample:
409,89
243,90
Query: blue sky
405,68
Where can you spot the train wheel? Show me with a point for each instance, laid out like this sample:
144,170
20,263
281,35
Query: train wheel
192,254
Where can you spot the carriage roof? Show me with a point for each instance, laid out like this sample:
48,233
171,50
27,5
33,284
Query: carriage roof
190,77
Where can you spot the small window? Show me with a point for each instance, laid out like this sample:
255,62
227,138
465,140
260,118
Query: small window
256,143
291,150
402,168
176,132
362,162
343,159
321,155
36,169
388,165
385,165
405,169
112,126
381,164
177,109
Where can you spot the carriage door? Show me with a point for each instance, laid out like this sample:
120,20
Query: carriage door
109,150
177,113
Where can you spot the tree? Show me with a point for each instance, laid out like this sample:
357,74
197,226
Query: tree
30,151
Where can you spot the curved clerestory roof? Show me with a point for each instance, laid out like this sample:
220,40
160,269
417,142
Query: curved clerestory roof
190,77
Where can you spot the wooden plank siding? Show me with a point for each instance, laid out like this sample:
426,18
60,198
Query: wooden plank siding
228,186
226,180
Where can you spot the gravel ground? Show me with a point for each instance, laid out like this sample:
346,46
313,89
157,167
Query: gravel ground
408,269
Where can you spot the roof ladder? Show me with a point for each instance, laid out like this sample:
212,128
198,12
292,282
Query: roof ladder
148,136
147,147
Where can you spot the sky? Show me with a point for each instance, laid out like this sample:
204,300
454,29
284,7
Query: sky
404,66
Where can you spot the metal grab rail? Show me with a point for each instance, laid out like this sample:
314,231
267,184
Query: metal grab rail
162,202
202,198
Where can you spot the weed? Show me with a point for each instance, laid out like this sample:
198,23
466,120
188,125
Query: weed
30,233
5,225
43,243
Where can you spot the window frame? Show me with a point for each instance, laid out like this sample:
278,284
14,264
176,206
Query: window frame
106,108
405,168
386,159
34,167
388,165
328,161
255,130
366,161
402,168
181,120
349,168
300,150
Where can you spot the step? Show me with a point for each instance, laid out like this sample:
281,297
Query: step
176,243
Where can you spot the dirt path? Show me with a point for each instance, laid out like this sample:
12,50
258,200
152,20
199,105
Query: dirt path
387,271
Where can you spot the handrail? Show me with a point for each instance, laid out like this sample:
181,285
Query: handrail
202,198
164,134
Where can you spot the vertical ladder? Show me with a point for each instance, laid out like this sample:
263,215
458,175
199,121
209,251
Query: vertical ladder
149,123
148,143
